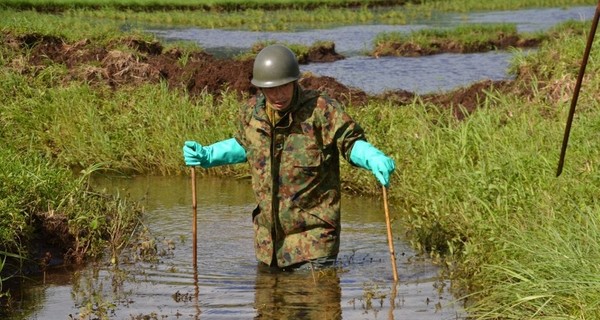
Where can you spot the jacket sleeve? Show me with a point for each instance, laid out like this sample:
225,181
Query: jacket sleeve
339,127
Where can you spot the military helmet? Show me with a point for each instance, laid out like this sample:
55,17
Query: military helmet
275,65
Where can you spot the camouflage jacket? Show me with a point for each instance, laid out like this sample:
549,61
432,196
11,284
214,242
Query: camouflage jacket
296,175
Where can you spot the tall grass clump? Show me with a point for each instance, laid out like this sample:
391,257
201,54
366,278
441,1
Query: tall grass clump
546,261
41,200
136,129
38,196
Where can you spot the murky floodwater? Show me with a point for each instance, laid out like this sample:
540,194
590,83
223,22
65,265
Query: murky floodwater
420,75
229,286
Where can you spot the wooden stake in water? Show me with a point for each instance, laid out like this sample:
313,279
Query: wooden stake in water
389,234
194,218
195,242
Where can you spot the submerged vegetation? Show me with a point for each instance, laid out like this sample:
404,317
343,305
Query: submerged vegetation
479,194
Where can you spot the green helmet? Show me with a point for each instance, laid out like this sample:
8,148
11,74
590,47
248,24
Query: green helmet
275,65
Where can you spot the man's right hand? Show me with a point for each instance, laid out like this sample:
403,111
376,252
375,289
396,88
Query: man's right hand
223,152
194,154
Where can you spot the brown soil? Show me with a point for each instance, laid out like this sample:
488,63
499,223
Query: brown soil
149,62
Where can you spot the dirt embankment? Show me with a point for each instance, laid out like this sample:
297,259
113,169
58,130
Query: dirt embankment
197,72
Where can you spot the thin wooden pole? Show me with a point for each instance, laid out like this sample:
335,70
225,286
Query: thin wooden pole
196,294
194,221
389,234
586,54
195,243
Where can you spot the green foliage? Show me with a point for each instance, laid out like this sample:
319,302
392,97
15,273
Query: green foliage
476,5
26,187
64,26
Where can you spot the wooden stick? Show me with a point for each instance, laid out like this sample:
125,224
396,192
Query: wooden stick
586,54
194,221
389,234
195,243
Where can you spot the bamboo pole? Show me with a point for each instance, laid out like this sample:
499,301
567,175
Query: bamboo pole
194,221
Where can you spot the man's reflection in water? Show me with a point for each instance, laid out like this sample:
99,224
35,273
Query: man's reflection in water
303,293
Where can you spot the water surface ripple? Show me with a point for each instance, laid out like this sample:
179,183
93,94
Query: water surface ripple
229,284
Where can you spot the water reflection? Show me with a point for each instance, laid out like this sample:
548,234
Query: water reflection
303,294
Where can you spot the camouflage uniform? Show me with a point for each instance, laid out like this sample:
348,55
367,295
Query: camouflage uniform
296,175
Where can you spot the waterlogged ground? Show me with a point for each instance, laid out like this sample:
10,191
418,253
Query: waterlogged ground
422,75
228,284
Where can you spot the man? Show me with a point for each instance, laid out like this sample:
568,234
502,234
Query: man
292,139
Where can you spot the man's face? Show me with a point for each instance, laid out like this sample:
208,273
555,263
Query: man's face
279,98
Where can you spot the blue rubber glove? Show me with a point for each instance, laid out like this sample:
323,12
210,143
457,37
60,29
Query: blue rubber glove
223,152
366,156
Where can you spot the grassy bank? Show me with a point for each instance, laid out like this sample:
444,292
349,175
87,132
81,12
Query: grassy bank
446,5
462,39
480,195
50,216
48,213
268,15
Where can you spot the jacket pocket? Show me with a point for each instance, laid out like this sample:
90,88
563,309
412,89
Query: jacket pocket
301,167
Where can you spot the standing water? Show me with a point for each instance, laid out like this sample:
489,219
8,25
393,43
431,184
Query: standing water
420,75
228,283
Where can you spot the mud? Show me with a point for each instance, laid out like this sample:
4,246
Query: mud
198,72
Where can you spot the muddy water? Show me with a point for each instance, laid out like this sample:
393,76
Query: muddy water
420,75
228,284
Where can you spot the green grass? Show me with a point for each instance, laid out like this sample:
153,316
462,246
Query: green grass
254,15
192,4
476,5
479,195
446,5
